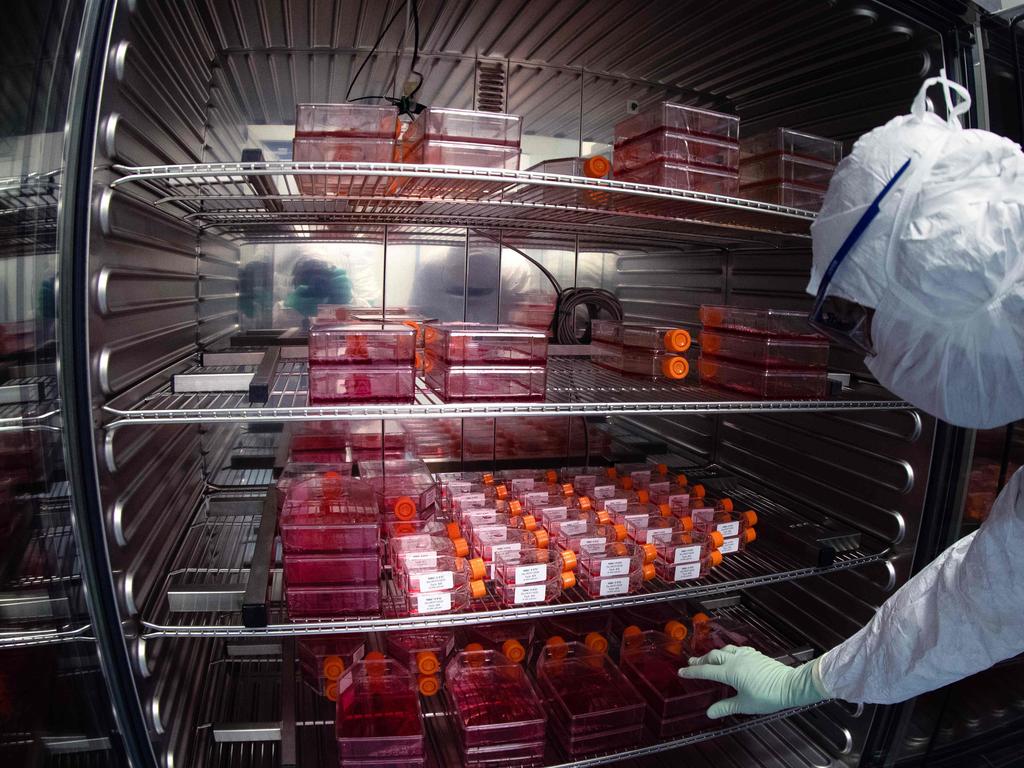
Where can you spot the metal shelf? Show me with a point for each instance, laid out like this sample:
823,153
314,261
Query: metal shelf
28,213
35,413
31,637
575,387
250,721
42,602
261,202
203,591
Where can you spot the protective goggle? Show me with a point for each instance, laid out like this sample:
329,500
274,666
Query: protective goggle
844,321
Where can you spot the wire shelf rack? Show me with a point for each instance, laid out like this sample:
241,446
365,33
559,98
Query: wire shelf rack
35,414
575,387
254,716
202,591
253,202
28,213
41,600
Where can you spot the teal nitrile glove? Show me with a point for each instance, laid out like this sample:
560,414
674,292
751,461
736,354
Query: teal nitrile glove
326,285
762,685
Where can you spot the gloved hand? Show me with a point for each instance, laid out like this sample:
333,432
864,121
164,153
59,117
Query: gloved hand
318,283
762,685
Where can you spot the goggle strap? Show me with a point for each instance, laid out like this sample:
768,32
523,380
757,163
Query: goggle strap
855,234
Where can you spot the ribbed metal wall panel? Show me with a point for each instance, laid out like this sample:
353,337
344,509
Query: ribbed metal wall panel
188,79
835,68
154,297
867,471
217,290
668,284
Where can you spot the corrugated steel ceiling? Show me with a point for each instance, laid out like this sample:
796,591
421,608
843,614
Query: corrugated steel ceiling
835,68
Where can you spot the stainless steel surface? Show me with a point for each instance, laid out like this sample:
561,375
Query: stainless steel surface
246,732
289,709
221,197
198,81
220,549
574,387
208,381
72,745
793,64
29,637
11,394
48,638
40,414
205,598
251,358
255,603
256,687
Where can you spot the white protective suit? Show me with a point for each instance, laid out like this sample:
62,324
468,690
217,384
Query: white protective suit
943,266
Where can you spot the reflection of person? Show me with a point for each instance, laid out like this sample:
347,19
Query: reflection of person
308,274
442,289
933,293
316,282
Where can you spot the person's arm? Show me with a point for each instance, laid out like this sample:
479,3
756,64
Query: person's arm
961,614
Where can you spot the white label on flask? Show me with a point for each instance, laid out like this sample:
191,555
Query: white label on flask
616,505
531,594
729,529
469,500
619,586
504,549
436,581
345,681
730,545
432,602
480,516
552,514
456,487
604,491
703,515
637,521
420,560
428,497
572,527
584,483
659,490
531,574
688,571
521,484
687,554
641,479
679,501
535,497
490,533
593,544
415,541
615,566
659,535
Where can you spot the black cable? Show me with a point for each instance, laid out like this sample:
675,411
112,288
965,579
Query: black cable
398,61
388,99
373,50
596,300
415,46
551,278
